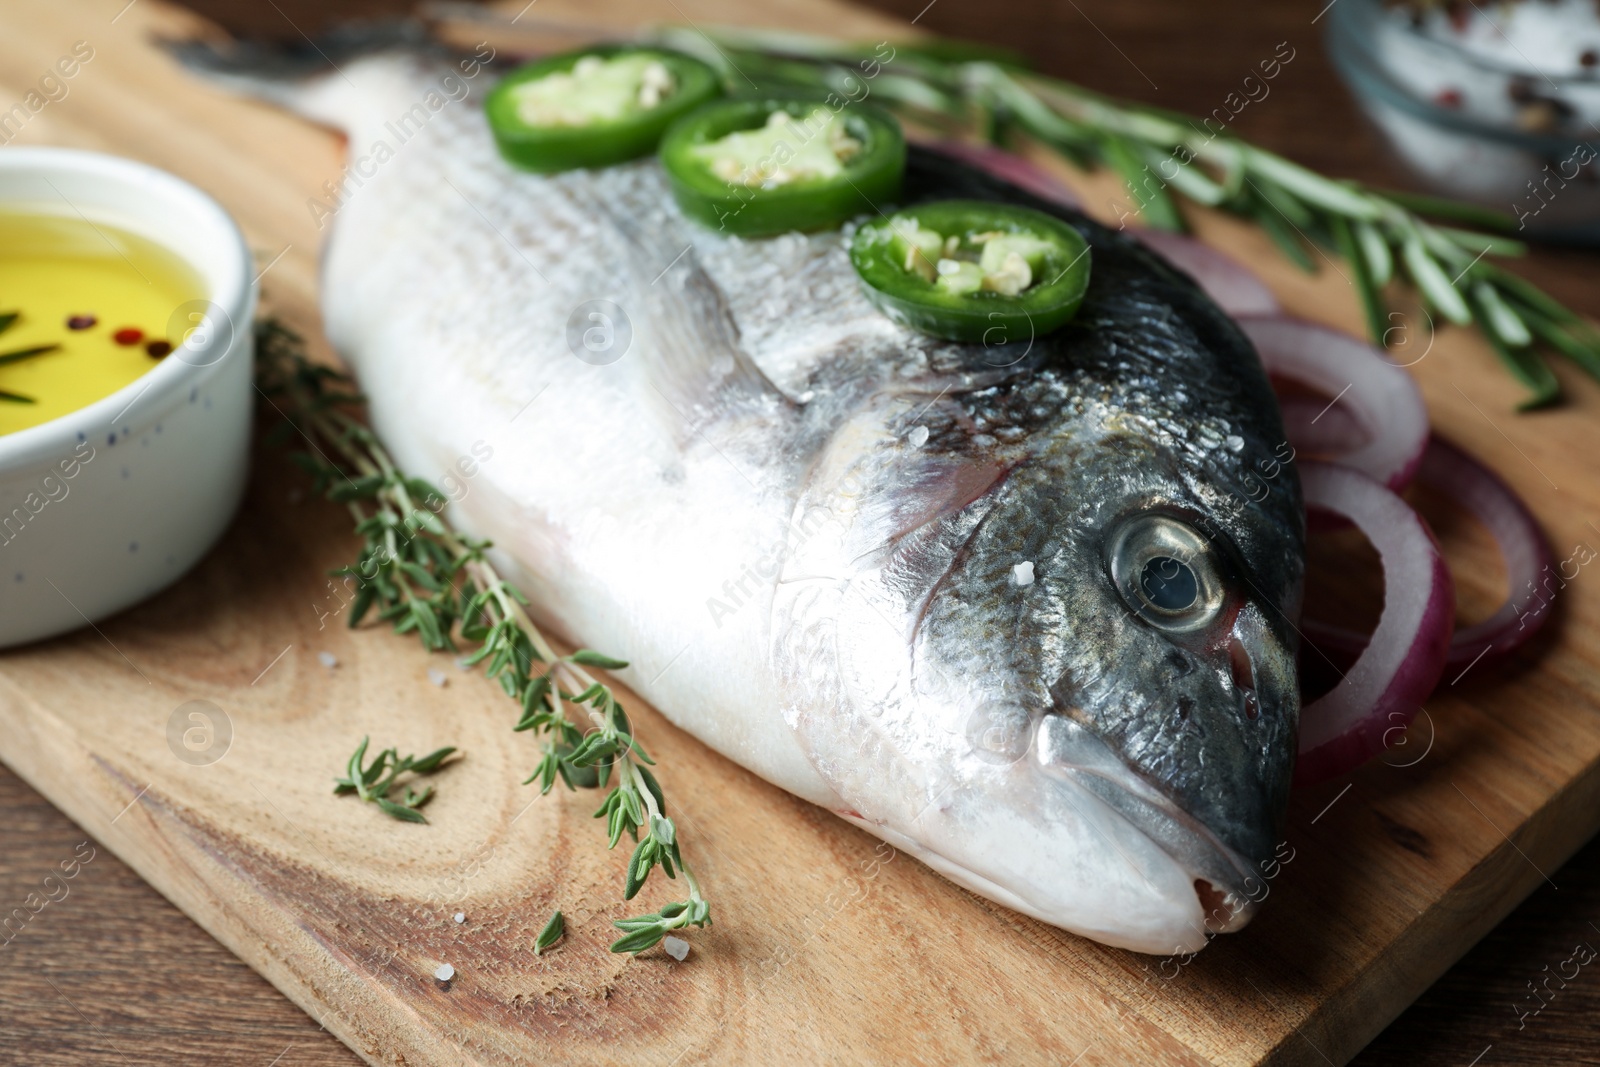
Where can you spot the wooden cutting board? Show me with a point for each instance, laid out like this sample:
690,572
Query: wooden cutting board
828,946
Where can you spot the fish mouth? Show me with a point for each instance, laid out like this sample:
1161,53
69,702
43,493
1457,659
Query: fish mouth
1224,882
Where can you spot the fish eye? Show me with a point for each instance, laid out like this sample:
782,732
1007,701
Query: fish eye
1168,573
1168,584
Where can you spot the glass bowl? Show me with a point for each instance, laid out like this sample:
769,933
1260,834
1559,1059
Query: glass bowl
1474,126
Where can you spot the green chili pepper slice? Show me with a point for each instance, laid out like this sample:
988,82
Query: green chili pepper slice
971,270
766,165
594,107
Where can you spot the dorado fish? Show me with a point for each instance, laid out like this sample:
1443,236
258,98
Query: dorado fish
1019,608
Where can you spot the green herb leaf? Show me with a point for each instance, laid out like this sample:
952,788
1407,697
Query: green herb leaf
1482,243
1338,197
1565,341
553,931
1375,250
1527,292
651,784
1288,242
590,658
1503,322
1528,368
1433,282
1366,288
1155,205
1440,208
26,353
1286,204
429,763
639,940
639,867
399,811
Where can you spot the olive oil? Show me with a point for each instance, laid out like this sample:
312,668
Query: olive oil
103,295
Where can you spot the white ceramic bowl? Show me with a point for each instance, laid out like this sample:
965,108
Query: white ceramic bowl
103,507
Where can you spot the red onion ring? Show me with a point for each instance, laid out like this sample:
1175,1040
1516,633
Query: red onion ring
1381,398
1010,167
1522,546
1318,430
1401,664
1225,280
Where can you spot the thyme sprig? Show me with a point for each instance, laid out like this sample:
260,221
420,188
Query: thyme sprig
372,784
1164,157
421,576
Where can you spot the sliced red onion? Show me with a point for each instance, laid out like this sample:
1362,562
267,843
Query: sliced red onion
1012,168
1380,694
1318,430
1530,567
1528,560
1380,397
1225,280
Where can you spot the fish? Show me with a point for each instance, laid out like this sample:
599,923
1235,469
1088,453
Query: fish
1024,609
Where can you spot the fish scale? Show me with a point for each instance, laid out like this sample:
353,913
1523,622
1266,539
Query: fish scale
739,505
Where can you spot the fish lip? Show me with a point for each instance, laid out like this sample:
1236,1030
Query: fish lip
1069,750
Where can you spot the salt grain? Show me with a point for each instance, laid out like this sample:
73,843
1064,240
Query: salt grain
677,948
461,917
918,436
328,660
445,972
437,677
1022,574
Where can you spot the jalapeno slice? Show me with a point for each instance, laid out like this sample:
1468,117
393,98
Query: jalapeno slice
971,270
594,107
766,165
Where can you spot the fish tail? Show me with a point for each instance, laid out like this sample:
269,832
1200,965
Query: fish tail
321,79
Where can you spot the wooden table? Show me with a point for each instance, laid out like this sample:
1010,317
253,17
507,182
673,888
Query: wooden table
120,976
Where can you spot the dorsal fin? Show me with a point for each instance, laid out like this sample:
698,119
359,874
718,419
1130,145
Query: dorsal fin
697,368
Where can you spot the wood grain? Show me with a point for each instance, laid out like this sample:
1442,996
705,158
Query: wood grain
879,959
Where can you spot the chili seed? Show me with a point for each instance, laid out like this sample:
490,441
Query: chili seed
128,336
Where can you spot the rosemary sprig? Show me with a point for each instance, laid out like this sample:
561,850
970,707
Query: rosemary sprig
419,575
1163,156
371,782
